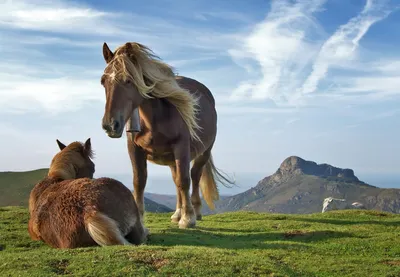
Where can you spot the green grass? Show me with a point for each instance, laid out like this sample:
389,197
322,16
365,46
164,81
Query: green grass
345,243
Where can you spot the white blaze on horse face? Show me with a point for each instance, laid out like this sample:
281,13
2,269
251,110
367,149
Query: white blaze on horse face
112,75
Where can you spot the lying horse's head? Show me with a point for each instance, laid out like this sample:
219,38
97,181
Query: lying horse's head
73,161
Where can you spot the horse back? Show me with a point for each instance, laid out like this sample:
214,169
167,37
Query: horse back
194,86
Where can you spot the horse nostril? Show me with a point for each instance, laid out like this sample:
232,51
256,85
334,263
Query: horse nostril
105,127
115,125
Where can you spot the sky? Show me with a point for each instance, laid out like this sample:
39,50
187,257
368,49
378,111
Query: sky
313,78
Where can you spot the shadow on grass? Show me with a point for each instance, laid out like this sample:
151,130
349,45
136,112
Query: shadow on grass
266,240
348,222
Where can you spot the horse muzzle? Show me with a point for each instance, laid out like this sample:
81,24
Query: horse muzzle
114,128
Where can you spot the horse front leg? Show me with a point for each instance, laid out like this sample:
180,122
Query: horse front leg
139,166
182,182
177,215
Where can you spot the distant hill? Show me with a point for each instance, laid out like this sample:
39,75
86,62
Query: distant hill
154,207
300,186
170,201
15,188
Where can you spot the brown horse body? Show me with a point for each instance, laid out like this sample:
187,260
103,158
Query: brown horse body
67,211
178,125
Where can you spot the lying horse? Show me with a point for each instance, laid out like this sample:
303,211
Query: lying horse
331,204
69,209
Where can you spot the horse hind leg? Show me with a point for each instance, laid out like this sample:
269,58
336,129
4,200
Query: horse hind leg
196,172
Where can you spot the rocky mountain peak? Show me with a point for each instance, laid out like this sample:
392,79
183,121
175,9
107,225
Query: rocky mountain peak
294,165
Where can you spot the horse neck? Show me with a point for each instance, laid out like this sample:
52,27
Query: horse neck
150,112
62,172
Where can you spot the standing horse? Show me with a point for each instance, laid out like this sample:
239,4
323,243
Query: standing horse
178,124
69,209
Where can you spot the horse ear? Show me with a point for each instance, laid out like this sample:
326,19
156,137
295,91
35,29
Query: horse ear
60,144
88,147
107,53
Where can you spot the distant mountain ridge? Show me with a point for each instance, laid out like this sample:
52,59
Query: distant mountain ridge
300,186
295,165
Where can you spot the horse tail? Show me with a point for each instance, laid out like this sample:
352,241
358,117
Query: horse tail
103,229
208,182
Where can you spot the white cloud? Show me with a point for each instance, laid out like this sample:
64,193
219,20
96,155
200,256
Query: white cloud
55,16
342,46
280,48
292,120
224,109
52,95
287,56
376,87
225,15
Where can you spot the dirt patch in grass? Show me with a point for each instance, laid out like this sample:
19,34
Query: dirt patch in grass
59,266
395,263
154,261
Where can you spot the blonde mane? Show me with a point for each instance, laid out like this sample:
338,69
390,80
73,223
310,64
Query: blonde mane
64,162
154,78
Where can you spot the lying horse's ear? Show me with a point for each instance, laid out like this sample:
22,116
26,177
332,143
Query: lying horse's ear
60,144
88,148
107,53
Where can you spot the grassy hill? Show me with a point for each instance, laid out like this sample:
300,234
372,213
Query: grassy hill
15,188
342,243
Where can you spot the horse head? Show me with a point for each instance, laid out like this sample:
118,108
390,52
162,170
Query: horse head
73,161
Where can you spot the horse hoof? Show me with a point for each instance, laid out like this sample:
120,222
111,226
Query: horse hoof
175,219
176,216
183,224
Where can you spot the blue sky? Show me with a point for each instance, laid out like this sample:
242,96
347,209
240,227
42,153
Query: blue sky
313,78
